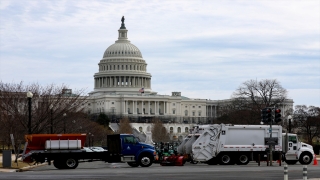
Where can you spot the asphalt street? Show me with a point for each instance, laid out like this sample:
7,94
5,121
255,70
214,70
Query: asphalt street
121,171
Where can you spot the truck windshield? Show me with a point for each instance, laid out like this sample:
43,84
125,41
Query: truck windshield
130,139
293,139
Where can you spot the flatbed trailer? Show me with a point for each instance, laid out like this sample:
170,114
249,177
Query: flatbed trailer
66,150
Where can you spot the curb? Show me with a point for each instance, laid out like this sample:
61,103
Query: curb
30,167
22,169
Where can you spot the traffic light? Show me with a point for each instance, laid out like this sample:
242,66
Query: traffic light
277,115
266,115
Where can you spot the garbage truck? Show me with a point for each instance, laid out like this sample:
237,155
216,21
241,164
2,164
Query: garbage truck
227,144
67,150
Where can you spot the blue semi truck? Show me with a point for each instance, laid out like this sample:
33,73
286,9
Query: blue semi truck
67,150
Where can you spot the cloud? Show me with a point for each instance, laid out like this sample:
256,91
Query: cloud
204,49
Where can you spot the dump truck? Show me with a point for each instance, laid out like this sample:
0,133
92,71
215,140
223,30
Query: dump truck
227,144
67,150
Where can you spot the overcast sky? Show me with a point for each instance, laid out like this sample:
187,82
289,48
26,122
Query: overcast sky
203,49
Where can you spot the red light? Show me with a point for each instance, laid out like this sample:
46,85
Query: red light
278,110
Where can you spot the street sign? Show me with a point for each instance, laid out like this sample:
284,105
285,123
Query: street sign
270,141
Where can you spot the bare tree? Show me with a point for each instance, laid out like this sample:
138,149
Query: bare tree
307,121
261,94
14,108
125,126
159,132
248,100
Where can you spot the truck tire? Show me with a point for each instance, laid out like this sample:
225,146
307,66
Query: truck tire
305,158
58,164
71,163
243,159
133,164
226,159
291,162
145,160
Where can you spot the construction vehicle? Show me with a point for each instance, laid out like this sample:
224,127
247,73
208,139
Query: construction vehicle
167,154
67,150
238,144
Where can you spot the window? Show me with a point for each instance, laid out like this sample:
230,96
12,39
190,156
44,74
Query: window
171,130
140,129
293,139
186,130
130,140
186,106
192,106
199,113
174,104
112,103
173,111
179,129
186,112
193,113
199,106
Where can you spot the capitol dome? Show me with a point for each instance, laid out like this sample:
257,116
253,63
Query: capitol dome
122,49
122,70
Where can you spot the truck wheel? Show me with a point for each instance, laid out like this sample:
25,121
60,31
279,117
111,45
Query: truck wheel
133,164
291,162
243,159
145,160
71,163
58,164
305,158
226,159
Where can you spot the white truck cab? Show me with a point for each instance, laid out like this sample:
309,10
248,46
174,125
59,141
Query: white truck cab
295,151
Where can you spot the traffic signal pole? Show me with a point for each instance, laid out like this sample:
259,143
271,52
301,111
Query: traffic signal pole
267,116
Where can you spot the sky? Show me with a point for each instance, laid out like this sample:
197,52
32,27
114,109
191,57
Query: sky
203,49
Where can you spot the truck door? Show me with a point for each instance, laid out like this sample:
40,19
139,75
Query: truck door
292,147
130,146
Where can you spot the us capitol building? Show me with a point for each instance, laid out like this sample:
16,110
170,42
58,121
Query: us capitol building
122,89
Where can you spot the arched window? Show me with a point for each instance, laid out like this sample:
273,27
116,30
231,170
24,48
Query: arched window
171,130
140,129
186,130
179,129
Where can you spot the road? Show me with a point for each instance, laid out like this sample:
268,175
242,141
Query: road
121,171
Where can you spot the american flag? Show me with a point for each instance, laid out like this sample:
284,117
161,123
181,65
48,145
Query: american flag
141,90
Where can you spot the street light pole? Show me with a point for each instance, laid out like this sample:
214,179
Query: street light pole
51,120
29,96
64,122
